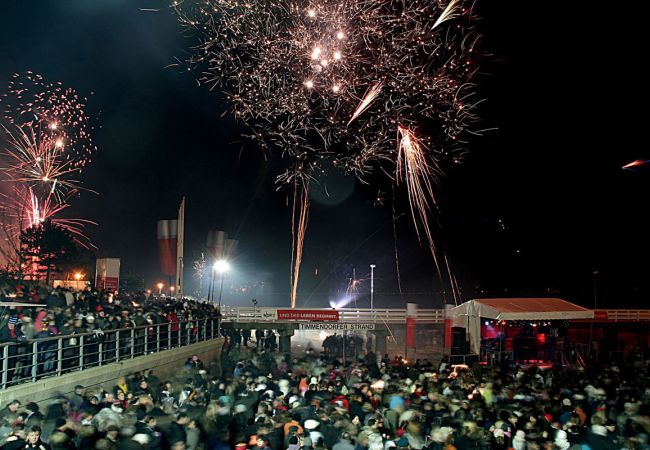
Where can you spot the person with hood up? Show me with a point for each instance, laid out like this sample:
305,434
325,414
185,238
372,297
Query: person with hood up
597,436
519,440
344,443
561,440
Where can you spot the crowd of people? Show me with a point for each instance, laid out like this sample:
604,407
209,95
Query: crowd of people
264,339
254,399
63,312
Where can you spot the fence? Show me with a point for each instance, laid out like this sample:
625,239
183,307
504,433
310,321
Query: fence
31,360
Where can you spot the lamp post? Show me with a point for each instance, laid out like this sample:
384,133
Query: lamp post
160,286
171,290
372,286
221,266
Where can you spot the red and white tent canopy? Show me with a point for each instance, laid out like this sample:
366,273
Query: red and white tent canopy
469,314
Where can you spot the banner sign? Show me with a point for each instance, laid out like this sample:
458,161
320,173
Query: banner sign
338,326
167,246
312,315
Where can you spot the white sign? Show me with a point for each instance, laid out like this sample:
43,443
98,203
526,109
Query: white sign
324,326
269,313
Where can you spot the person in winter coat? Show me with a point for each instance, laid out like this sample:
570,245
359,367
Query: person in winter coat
345,443
16,440
177,432
34,441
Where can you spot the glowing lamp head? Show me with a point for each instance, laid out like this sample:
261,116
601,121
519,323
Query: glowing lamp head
78,276
160,285
221,266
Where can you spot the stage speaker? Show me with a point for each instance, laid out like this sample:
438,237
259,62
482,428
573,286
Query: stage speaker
459,336
460,349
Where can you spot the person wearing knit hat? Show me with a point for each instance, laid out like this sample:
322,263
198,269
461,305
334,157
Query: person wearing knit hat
519,441
561,440
311,426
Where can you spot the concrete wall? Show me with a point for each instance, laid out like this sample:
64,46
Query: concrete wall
164,364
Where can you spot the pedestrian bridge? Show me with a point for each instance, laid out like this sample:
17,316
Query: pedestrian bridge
341,315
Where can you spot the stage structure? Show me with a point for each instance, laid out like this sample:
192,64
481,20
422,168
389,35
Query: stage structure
470,315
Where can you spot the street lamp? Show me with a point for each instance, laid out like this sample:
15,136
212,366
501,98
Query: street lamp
221,266
372,286
160,286
78,276
171,290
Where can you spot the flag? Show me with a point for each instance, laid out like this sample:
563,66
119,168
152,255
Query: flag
167,243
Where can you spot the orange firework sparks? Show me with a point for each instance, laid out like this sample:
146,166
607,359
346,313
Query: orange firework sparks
367,100
298,237
327,82
418,174
46,144
38,161
637,163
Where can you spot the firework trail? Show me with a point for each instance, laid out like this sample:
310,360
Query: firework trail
26,209
352,288
342,83
635,164
414,170
298,231
367,100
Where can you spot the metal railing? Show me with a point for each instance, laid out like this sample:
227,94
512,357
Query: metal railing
623,315
356,315
31,360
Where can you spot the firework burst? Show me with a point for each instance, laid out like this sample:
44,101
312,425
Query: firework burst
45,147
39,161
344,84
56,113
329,82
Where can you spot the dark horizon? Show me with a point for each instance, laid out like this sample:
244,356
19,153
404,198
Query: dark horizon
539,204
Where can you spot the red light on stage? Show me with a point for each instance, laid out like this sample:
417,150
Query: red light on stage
541,338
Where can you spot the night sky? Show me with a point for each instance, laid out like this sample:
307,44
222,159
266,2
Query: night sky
538,205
